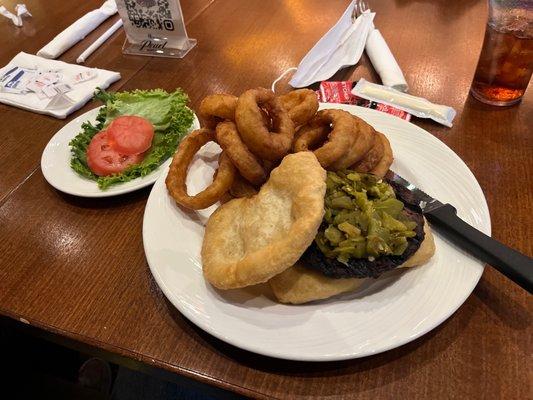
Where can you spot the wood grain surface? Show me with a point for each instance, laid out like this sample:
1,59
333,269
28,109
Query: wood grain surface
76,267
24,134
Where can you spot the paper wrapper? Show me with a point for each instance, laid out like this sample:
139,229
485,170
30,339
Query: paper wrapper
341,92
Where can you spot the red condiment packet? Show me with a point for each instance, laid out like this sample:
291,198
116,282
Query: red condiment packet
341,92
336,92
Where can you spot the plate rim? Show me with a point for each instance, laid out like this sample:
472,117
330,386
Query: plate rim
117,190
249,346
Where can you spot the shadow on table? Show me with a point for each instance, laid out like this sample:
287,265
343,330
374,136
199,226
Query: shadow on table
119,201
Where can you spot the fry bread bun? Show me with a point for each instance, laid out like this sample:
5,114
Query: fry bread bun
299,284
250,240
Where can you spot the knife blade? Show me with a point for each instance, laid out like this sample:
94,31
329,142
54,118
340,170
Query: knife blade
511,263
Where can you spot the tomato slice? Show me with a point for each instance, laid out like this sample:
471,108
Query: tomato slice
103,160
130,134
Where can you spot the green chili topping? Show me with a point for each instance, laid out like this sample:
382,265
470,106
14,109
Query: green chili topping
363,218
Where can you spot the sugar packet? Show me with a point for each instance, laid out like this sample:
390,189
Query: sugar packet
46,84
17,79
84,76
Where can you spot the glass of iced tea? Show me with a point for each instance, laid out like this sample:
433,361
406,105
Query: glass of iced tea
506,61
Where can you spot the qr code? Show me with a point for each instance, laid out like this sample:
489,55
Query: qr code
151,14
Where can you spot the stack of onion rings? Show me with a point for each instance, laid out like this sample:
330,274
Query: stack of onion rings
256,131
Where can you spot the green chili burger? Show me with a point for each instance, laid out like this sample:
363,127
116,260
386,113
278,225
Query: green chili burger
370,226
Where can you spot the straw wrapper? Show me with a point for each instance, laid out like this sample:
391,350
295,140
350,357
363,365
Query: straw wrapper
417,106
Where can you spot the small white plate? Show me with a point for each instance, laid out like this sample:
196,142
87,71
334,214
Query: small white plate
55,164
387,313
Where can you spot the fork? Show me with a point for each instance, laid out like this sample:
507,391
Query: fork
360,7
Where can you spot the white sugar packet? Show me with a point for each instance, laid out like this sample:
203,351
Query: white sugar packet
78,30
78,94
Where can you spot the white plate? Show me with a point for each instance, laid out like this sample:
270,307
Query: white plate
388,313
55,164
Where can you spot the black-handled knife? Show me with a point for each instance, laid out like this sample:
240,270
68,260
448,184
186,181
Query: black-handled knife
513,264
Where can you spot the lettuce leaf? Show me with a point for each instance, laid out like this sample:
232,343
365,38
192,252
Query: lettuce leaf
166,111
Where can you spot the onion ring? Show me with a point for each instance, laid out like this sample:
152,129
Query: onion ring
242,188
386,160
269,145
339,140
270,165
248,165
311,136
364,140
217,107
370,159
226,196
302,105
177,174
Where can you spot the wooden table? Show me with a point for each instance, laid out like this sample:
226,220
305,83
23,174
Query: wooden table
75,269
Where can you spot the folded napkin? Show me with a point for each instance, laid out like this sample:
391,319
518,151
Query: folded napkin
340,47
384,62
78,30
80,91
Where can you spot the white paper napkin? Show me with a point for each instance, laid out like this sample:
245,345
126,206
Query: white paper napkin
78,30
340,47
81,93
384,62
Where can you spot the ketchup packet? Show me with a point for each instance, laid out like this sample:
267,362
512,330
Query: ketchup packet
336,92
341,92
